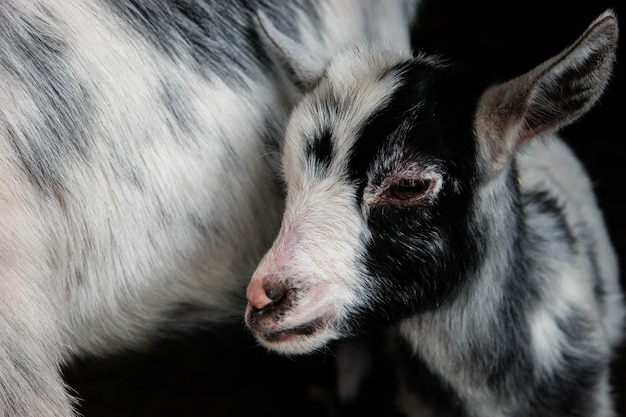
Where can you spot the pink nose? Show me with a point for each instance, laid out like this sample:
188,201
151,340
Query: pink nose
263,292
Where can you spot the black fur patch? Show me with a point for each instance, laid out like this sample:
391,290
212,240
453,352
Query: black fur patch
418,256
35,54
378,129
214,36
545,205
319,151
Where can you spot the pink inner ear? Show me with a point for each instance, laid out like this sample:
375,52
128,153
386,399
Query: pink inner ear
499,122
554,93
527,132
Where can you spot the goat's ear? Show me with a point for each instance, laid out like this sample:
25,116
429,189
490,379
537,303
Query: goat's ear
304,67
549,96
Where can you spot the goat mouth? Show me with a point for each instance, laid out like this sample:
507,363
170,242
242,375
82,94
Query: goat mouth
306,329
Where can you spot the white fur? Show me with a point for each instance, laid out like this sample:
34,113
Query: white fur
162,211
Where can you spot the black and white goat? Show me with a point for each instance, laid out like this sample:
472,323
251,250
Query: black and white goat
137,193
423,198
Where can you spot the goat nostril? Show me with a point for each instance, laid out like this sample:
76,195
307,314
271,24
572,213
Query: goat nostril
274,291
265,293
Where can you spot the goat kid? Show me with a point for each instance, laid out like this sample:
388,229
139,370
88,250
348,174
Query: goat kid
138,187
426,199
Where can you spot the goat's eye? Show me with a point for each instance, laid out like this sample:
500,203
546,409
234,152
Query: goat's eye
408,189
405,189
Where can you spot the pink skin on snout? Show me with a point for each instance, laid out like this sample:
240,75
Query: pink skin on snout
256,295
266,275
287,308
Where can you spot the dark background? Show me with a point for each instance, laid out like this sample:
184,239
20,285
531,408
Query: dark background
223,372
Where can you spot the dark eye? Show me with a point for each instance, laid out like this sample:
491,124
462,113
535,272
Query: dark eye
408,189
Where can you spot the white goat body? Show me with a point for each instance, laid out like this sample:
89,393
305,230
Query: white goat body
136,158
